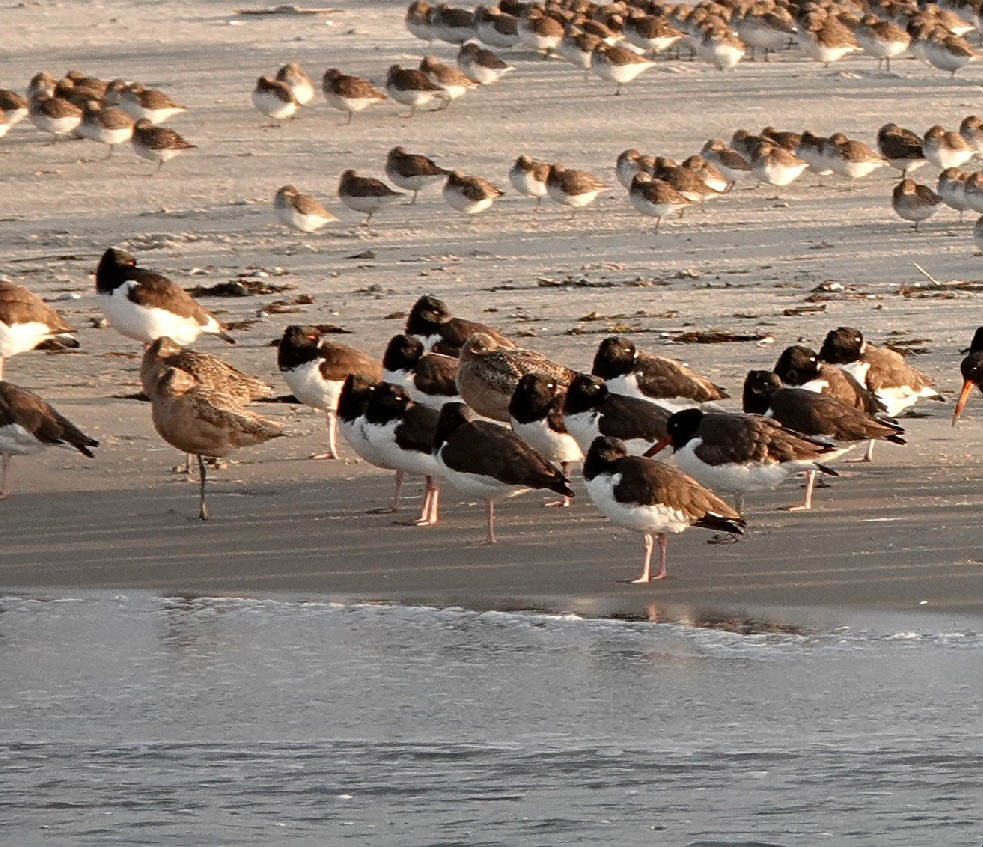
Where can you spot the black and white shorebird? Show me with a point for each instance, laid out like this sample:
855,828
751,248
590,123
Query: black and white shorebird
431,321
651,498
669,383
26,321
818,416
204,422
144,305
489,462
489,373
427,378
536,415
736,454
799,366
413,171
28,424
365,194
315,369
971,369
895,383
590,409
402,434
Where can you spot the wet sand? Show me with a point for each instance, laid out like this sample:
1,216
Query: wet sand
902,535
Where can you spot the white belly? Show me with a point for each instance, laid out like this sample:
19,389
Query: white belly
145,324
555,446
730,478
310,387
17,441
382,440
648,519
20,338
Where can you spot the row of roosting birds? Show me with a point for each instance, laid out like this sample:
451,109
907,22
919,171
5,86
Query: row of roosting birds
435,403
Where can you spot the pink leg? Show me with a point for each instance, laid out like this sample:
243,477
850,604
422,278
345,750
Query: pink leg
868,456
332,438
647,566
435,503
1,367
662,574
810,484
563,502
428,514
490,511
4,468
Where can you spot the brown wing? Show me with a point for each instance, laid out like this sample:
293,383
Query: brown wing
307,205
158,292
339,360
355,88
664,378
652,483
809,413
631,417
478,188
484,448
580,182
18,305
223,412
738,438
845,388
437,375
33,414
370,187
889,369
456,331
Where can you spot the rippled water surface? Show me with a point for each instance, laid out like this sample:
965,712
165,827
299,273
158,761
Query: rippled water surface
144,720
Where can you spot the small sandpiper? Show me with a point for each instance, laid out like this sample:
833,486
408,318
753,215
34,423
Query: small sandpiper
26,321
528,177
149,104
951,187
275,99
882,39
946,149
13,106
901,147
418,21
628,165
776,166
453,25
828,42
106,125
651,33
577,47
971,129
365,194
948,52
850,159
731,163
655,198
349,94
300,83
914,202
619,65
496,28
539,32
412,88
481,65
55,115
469,194
454,82
156,143
573,188
300,211
412,171
721,47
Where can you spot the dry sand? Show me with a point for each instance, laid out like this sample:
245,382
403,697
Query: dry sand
903,534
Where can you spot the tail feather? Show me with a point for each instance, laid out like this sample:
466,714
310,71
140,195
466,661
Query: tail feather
897,439
719,523
825,469
561,485
228,339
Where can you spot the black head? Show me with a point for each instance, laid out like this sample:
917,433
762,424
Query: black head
797,365
452,417
842,346
386,403
298,346
603,454
113,270
533,398
683,426
977,344
760,387
615,357
402,353
426,316
354,397
585,392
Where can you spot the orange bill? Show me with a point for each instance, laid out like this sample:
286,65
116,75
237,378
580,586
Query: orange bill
963,397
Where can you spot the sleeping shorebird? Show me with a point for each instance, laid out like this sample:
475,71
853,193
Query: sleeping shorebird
204,422
298,81
144,305
427,378
486,461
275,99
652,498
156,143
412,171
28,425
26,321
349,94
365,194
315,369
431,321
300,211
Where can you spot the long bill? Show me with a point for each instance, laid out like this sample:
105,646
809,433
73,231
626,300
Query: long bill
658,447
961,403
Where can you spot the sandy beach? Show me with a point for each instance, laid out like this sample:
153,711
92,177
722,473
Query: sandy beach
902,535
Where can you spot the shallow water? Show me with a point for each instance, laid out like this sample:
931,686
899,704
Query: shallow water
147,720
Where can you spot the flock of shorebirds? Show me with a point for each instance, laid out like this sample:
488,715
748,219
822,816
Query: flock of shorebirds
457,401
